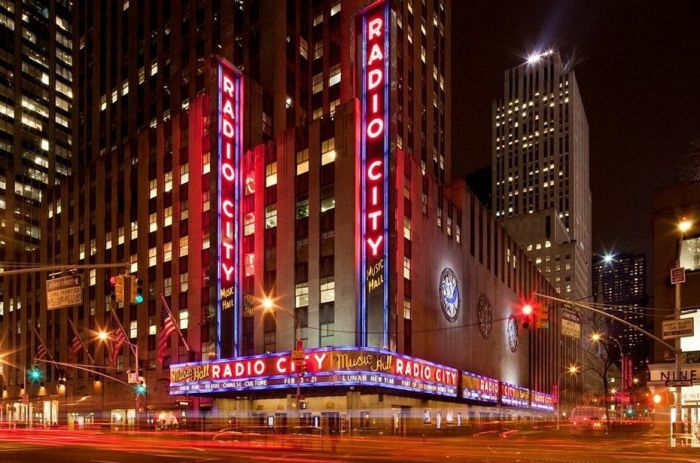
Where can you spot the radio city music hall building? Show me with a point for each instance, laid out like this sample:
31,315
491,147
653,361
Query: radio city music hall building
313,172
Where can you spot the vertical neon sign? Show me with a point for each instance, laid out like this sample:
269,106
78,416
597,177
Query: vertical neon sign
373,56
230,140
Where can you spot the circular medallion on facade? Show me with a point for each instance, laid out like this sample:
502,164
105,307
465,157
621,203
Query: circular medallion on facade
449,294
484,314
512,333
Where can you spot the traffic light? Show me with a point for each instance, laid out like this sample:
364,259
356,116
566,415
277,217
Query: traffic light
542,317
136,289
117,283
141,388
34,374
527,312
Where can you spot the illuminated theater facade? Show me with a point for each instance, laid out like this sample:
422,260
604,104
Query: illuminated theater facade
351,268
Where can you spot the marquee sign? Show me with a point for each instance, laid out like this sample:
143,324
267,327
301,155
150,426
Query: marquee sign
515,396
541,401
478,387
230,142
373,77
338,366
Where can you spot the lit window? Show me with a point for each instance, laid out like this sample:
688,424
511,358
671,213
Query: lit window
108,240
317,82
153,188
328,151
206,164
407,309
184,245
152,257
271,174
406,268
168,216
270,216
205,201
302,209
153,222
303,48
407,228
318,49
335,9
301,295
183,282
327,204
133,329
93,277
327,290
167,252
184,319
168,181
302,162
134,230
184,173
318,19
335,76
249,264
120,235
152,326
248,224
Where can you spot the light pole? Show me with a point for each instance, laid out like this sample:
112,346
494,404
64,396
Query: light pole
572,370
684,225
269,306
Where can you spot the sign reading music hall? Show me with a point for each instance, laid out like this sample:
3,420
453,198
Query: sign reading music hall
372,27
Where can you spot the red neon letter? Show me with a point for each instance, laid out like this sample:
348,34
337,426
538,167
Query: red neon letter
227,208
228,86
373,216
375,54
227,172
374,78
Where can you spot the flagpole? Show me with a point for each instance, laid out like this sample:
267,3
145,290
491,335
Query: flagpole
175,322
121,327
36,333
92,360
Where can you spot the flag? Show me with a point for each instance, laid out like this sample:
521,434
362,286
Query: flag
118,339
74,349
41,352
169,328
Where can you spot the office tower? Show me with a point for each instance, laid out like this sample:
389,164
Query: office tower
541,169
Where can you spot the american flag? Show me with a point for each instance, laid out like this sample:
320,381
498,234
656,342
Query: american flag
168,329
118,338
41,352
74,349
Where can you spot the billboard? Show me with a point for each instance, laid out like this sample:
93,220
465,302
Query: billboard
230,142
372,26
332,366
514,396
478,387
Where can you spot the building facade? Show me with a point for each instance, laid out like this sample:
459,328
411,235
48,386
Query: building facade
541,165
621,281
295,159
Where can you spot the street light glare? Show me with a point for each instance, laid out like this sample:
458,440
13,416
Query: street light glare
595,337
608,258
102,335
527,309
267,303
684,225
573,369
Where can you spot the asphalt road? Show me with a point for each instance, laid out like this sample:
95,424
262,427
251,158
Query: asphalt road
538,446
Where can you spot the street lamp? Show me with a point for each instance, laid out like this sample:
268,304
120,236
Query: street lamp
684,225
572,370
102,335
268,305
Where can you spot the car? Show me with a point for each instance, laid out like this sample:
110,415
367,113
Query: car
587,419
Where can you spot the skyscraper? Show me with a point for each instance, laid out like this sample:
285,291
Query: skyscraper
620,280
541,169
36,100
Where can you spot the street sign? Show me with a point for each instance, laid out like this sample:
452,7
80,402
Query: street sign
132,378
64,292
679,383
298,355
690,357
570,324
677,275
678,328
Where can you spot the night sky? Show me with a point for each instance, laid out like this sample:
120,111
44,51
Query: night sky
638,69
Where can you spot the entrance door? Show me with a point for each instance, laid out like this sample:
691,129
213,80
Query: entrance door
401,417
331,423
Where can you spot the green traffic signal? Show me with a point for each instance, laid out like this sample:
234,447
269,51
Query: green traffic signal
141,388
34,375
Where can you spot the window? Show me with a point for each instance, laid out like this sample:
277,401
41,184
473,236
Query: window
334,77
270,217
152,326
152,257
168,216
327,290
317,82
303,48
302,209
205,201
120,238
134,230
153,222
327,204
249,264
335,9
439,217
184,319
168,286
326,318
133,329
93,277
406,267
184,173
184,245
407,309
318,49
206,164
407,228
301,295
168,181
184,282
458,233
167,252
184,213
248,224
302,162
153,191
271,174
328,151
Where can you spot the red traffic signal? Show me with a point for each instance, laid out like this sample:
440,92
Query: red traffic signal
526,313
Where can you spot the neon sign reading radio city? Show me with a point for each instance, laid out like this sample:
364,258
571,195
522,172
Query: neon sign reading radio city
229,148
374,129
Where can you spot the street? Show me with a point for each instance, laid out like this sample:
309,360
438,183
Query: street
536,445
